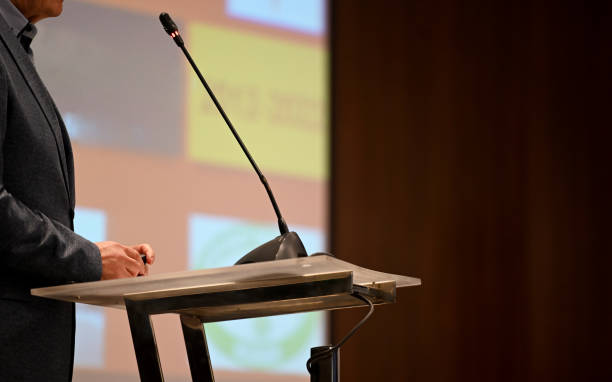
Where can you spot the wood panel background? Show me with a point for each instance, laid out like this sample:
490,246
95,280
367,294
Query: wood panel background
471,148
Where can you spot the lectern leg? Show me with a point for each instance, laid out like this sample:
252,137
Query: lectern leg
325,365
197,349
145,346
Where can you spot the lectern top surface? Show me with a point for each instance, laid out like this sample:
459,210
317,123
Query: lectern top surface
112,292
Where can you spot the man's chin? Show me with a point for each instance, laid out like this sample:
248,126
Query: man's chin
58,9
52,11
55,12
55,9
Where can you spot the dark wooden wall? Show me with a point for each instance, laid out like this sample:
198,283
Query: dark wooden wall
471,148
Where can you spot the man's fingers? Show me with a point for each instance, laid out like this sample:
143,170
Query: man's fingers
132,253
126,273
135,254
120,261
147,250
133,261
133,267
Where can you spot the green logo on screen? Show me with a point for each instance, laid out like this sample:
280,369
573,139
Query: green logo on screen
257,343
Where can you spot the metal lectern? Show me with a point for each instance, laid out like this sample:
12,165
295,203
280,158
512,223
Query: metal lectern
241,291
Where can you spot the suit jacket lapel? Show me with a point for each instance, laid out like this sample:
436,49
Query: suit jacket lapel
26,67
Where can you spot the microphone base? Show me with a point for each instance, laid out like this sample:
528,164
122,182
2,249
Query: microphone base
285,246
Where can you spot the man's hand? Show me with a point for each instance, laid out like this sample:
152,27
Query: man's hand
120,261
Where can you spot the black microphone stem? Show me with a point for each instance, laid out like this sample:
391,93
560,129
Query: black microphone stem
281,222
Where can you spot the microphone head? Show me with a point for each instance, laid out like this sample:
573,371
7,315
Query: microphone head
167,23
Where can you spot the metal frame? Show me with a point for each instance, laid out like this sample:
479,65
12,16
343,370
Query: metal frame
197,349
328,292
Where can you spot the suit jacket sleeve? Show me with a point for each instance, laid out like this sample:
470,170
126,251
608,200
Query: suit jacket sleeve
32,245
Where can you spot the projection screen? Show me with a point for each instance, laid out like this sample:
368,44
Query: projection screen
155,162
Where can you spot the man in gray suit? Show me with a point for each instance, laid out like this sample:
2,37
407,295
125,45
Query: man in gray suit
37,244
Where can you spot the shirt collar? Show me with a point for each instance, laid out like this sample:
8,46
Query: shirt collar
16,20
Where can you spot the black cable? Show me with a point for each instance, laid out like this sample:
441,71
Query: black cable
346,338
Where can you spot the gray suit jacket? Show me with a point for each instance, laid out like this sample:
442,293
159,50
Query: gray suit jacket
37,244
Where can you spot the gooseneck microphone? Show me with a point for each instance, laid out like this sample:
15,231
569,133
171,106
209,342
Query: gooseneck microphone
288,244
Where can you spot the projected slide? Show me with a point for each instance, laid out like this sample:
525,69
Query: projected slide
154,161
277,344
89,337
119,89
217,241
274,91
305,16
